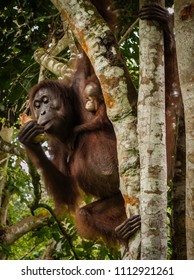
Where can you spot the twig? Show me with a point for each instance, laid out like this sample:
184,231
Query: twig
63,231
127,33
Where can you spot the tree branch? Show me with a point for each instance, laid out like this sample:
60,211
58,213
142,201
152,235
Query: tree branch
11,148
60,69
4,206
47,60
129,30
10,234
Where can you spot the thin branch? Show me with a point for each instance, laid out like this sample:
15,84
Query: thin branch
36,185
4,206
28,253
129,30
20,77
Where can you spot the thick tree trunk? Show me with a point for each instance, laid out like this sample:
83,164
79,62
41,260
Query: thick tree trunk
93,34
184,22
152,140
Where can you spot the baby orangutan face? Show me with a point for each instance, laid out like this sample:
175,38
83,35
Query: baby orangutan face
93,96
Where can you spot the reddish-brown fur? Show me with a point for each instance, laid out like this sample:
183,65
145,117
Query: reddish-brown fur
85,157
83,151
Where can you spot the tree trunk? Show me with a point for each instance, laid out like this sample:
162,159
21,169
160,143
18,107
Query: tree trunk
184,22
6,135
152,140
92,32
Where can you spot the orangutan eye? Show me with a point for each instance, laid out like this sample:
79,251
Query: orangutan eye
45,99
36,104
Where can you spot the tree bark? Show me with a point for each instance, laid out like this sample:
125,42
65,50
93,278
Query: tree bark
6,134
60,69
152,140
184,22
13,233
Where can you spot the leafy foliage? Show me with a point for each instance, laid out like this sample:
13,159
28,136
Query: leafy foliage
25,26
130,51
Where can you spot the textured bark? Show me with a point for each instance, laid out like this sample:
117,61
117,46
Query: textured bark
5,135
60,69
152,141
184,22
13,233
47,60
175,145
119,94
